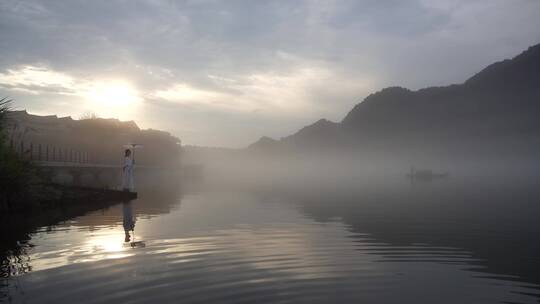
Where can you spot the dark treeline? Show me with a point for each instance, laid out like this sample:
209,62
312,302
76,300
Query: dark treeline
101,140
16,174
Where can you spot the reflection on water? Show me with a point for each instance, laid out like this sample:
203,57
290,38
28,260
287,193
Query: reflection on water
129,221
436,243
129,226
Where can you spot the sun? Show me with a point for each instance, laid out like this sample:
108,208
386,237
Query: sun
112,98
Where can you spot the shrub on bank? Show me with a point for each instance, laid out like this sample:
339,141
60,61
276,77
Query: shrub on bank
16,174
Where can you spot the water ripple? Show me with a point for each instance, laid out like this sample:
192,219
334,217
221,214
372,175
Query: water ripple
279,256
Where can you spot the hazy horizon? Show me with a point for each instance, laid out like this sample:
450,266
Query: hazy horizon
226,73
402,165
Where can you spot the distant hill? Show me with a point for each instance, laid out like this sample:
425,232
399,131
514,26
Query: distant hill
102,139
322,132
498,108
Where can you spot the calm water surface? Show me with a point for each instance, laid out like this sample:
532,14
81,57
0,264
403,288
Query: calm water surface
432,243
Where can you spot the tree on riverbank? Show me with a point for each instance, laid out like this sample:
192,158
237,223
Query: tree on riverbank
16,174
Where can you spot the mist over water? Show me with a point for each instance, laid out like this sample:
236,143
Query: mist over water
244,238
397,160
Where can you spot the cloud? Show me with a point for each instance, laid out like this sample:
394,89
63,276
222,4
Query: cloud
35,80
224,65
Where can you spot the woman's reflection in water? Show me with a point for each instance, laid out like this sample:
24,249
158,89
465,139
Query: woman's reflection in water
129,226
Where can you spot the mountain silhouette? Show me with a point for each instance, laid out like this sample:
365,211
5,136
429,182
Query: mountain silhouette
496,110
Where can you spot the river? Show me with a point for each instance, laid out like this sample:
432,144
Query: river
435,242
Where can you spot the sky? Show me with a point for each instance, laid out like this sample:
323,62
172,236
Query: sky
225,73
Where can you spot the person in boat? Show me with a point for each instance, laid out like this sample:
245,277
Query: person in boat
127,172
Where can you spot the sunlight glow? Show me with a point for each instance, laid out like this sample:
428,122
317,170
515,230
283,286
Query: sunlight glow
108,98
106,243
112,99
101,245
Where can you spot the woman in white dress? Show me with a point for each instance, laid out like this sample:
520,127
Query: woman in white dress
127,172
